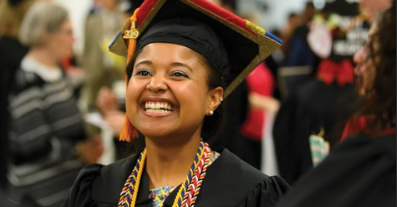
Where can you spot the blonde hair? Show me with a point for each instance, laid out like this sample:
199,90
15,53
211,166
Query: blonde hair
11,17
43,17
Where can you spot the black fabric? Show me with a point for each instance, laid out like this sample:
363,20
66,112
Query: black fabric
15,2
5,201
44,166
273,65
361,171
11,54
192,34
229,182
240,50
236,106
345,10
342,7
313,107
133,4
251,151
299,52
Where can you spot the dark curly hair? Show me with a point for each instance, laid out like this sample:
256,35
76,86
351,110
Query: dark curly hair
379,106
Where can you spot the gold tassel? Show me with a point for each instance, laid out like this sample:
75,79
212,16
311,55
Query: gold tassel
129,132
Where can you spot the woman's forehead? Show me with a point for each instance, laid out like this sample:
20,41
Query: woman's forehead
158,47
172,51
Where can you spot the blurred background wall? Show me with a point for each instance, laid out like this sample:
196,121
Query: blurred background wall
271,14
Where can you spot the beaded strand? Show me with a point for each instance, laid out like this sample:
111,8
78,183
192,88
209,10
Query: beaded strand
195,185
128,194
187,194
182,190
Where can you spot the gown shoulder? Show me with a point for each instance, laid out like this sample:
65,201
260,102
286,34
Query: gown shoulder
360,171
99,185
80,193
232,182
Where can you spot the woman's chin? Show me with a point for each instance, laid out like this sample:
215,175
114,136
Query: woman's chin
155,133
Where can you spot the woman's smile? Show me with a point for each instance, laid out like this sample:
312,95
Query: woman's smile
158,108
168,91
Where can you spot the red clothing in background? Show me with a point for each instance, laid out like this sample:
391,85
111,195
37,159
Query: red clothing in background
356,126
259,81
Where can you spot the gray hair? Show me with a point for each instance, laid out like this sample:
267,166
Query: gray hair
43,17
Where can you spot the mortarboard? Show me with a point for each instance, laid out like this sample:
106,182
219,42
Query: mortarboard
245,43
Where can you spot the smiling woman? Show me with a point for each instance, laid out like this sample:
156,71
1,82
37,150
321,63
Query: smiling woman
177,79
183,65
186,56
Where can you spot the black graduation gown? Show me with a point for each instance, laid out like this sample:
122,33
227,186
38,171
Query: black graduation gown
229,182
313,107
361,171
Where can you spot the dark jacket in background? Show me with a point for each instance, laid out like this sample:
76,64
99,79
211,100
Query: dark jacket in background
11,54
361,171
314,106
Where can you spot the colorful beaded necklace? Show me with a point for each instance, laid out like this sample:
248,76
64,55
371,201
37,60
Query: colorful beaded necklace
189,190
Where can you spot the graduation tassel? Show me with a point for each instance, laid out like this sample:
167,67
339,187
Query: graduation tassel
319,147
128,132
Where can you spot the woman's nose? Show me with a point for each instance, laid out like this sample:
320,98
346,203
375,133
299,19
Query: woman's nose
157,83
359,56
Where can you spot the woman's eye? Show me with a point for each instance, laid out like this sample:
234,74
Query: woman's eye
143,73
179,74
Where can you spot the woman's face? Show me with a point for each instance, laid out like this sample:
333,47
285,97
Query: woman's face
373,7
109,4
365,70
61,42
167,94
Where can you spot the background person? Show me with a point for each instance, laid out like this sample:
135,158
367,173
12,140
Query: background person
48,143
361,171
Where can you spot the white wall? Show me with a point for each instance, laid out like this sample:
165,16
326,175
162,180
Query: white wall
277,12
78,10
274,17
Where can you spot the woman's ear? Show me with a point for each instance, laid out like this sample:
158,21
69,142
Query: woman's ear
215,98
43,38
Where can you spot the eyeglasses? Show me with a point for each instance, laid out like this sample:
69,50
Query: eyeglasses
66,32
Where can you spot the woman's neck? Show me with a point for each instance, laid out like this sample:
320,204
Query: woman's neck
44,56
168,164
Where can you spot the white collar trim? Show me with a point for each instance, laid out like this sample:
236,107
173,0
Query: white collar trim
47,73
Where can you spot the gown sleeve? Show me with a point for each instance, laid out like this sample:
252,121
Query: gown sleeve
267,193
361,171
284,131
80,193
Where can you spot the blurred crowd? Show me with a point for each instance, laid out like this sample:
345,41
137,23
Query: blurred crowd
61,110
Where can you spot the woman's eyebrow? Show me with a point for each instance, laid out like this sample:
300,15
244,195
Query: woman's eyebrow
181,65
144,62
174,64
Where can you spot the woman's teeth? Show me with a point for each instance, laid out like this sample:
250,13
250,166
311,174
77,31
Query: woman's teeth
158,107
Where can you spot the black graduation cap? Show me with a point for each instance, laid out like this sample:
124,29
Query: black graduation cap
246,44
233,45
